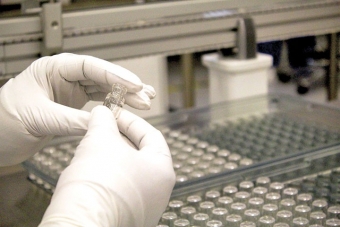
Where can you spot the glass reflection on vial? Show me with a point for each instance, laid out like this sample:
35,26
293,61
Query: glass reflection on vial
115,99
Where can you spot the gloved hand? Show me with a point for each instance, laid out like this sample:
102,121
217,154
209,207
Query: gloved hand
110,183
43,101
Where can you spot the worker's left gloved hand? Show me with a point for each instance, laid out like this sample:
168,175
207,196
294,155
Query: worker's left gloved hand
44,101
109,182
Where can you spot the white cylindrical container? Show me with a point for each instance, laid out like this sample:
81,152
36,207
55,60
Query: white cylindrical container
232,78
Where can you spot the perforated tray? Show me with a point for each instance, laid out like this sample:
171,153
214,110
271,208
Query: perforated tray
221,139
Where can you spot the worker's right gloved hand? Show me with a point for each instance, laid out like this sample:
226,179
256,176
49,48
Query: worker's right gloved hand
45,99
111,183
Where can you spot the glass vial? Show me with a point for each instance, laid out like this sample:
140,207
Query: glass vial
238,208
230,190
206,207
333,222
168,218
276,187
266,221
212,195
269,209
281,224
219,214
175,206
290,193
242,197
246,186
259,192
287,204
273,198
233,220
194,201
302,211
248,224
284,216
115,99
225,202
263,182
333,211
201,219
188,213
320,205
300,222
255,203
318,218
252,215
182,223
304,199
214,223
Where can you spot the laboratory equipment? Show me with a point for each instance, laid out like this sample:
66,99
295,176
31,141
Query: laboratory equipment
203,25
269,214
294,173
153,29
205,142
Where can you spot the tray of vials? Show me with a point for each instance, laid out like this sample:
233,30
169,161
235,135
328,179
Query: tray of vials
239,134
304,193
220,139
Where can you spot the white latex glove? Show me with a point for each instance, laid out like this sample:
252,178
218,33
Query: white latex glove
44,99
110,183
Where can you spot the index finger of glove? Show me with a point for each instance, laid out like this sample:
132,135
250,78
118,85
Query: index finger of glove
141,133
82,67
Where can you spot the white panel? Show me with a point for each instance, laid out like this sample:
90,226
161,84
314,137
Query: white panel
20,25
21,49
15,67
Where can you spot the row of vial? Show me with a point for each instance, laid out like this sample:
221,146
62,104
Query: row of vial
52,160
193,158
273,127
259,203
267,136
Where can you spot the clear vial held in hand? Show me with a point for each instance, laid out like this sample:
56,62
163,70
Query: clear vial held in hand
115,99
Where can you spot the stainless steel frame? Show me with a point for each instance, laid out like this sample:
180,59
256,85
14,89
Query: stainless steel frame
168,28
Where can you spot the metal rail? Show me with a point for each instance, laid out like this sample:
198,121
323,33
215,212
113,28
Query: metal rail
164,28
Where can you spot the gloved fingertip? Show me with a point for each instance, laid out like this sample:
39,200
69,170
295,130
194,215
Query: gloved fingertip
139,104
146,105
101,115
101,110
149,90
139,100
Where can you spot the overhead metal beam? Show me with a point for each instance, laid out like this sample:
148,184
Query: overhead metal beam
166,28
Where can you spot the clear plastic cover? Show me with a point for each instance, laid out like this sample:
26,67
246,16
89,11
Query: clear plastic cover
250,136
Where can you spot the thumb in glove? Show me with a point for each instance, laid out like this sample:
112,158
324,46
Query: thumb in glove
109,182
